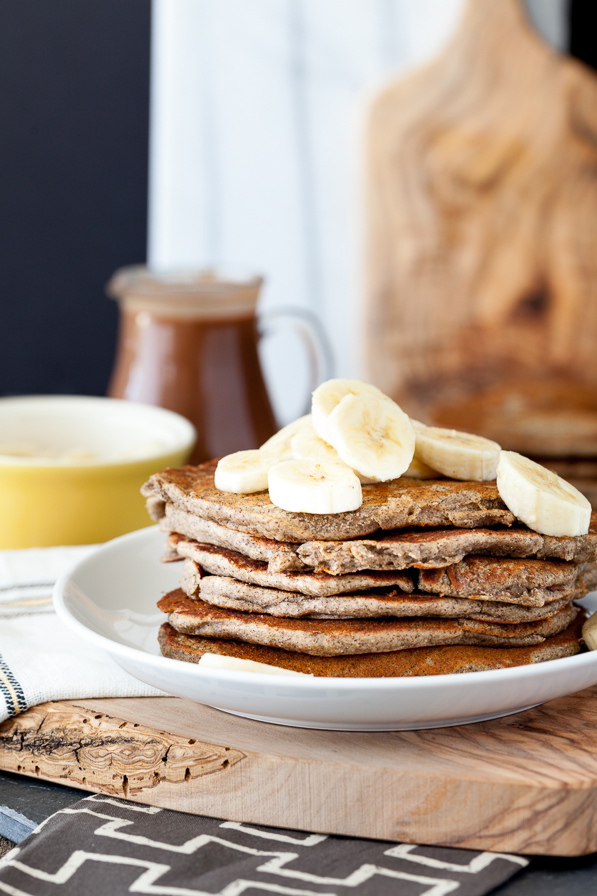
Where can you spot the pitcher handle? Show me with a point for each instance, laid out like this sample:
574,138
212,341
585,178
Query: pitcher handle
319,350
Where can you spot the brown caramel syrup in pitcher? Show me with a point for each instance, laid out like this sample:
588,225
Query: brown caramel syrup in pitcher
189,342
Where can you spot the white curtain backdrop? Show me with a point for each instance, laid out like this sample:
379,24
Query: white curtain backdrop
255,148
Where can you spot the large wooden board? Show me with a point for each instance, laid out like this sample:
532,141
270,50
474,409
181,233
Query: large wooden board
481,273
526,783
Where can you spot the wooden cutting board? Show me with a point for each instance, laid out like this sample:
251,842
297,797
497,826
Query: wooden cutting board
480,209
526,783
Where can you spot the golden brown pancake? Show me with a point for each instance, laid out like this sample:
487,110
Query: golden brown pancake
399,549
225,591
280,556
400,663
433,548
522,581
386,505
220,561
334,637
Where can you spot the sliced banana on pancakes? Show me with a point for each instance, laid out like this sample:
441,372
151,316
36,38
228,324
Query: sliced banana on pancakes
307,445
356,434
242,472
417,469
305,486
540,498
589,632
329,394
372,435
459,455
278,446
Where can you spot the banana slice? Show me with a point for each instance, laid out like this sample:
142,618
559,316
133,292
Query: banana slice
420,470
243,472
540,498
218,661
278,446
306,486
459,455
329,394
372,435
306,445
589,632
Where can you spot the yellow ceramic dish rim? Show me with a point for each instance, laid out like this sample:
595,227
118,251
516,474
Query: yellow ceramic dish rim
50,501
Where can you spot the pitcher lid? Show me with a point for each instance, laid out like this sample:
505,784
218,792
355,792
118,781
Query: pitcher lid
205,291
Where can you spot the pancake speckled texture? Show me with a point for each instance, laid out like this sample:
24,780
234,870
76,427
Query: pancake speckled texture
333,637
220,561
226,591
386,505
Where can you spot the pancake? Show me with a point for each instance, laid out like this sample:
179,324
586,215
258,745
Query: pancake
220,561
280,556
386,505
401,663
225,591
522,581
403,549
442,547
325,637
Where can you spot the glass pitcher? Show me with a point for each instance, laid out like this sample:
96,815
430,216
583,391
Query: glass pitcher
188,341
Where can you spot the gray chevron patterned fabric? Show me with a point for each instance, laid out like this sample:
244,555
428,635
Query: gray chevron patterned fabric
107,847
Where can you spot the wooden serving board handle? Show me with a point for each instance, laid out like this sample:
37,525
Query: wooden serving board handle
526,783
481,270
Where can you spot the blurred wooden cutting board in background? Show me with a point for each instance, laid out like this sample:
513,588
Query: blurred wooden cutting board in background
481,261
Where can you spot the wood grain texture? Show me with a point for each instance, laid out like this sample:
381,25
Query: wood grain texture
89,749
481,202
526,783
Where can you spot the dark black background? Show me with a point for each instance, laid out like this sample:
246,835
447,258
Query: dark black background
74,120
74,109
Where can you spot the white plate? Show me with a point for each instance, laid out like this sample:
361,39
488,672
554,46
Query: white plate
109,599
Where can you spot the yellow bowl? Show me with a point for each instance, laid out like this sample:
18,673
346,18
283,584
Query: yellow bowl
71,467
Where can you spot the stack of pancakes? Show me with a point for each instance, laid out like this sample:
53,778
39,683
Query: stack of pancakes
427,577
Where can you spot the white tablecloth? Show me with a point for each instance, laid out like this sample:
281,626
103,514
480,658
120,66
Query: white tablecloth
40,657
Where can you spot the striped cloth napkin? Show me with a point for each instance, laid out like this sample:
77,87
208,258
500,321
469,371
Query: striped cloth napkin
40,659
103,845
